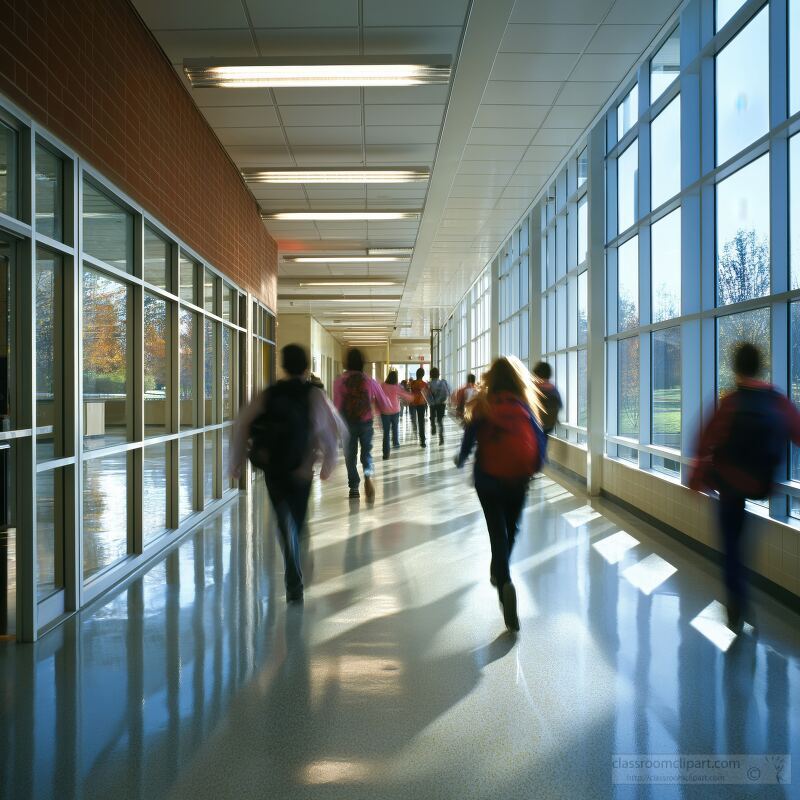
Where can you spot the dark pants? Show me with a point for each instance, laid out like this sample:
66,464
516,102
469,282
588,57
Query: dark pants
390,424
437,417
502,503
731,523
290,500
418,415
360,434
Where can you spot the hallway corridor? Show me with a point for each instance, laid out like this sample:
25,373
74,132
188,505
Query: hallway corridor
396,678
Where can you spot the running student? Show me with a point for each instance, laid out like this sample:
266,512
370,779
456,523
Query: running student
464,396
353,394
438,392
739,453
283,431
390,416
549,397
419,388
511,445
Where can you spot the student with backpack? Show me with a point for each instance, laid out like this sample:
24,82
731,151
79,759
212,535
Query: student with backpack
464,396
283,431
419,388
438,392
739,454
511,445
390,416
549,397
353,394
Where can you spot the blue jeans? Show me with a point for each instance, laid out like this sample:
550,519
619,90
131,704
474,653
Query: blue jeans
390,424
290,501
360,433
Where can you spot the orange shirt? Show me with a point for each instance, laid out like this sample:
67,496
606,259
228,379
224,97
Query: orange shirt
419,389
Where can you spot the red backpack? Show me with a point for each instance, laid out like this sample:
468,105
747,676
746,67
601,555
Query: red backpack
508,445
355,404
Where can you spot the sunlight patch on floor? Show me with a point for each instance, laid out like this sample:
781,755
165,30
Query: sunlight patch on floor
647,575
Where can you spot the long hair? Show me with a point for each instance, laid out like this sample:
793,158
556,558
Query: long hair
391,378
506,375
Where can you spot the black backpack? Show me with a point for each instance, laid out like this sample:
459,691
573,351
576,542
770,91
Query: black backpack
280,435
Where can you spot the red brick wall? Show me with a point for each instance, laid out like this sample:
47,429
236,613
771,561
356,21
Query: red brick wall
90,72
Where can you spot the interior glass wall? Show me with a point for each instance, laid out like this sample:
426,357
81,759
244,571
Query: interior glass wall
513,291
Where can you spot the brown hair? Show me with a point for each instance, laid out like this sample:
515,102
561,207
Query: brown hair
507,374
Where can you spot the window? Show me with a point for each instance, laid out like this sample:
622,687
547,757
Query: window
794,209
665,154
210,372
188,279
210,292
628,284
665,261
665,65
187,358
156,267
227,373
8,339
794,57
106,355
583,308
157,350
8,170
666,401
50,521
583,229
154,490
628,187
228,303
628,387
210,468
748,326
186,502
107,229
628,112
105,512
725,10
583,167
743,265
794,389
742,88
49,193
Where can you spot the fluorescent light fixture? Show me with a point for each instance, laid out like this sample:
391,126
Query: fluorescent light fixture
339,216
390,251
348,283
257,73
342,259
332,175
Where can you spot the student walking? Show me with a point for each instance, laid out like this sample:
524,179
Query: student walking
739,453
390,416
438,392
464,396
283,431
549,397
353,394
511,445
419,388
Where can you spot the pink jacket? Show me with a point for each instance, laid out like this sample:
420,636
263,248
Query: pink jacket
374,390
394,394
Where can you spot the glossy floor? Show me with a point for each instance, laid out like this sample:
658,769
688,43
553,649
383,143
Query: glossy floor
396,678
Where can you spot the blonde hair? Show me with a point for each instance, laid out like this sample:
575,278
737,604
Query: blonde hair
507,374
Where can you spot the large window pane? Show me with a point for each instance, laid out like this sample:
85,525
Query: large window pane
157,352
209,291
188,368
794,57
628,187
742,88
665,65
583,229
628,112
105,360
794,208
227,373
628,387
188,279
154,490
749,326
666,408
8,344
105,512
628,284
743,234
794,387
665,261
210,393
186,477
583,366
583,167
665,142
209,466
725,10
49,533
228,303
156,259
49,193
49,356
8,170
583,307
107,229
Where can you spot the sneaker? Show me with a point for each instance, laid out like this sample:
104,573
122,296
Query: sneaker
422,444
369,489
508,598
354,494
295,596
492,578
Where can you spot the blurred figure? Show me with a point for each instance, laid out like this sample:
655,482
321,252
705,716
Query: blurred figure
511,445
283,431
464,396
315,380
390,416
549,398
419,388
353,394
438,392
739,453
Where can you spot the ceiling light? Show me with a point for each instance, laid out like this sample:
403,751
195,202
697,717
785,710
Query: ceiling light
341,259
256,73
348,283
339,216
390,251
299,175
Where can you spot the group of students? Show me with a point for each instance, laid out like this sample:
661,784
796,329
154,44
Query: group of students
292,425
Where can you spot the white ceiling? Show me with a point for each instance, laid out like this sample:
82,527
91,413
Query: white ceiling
530,75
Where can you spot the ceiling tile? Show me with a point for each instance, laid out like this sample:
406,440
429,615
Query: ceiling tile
520,38
574,11
410,13
250,136
378,192
179,45
217,98
377,95
437,40
185,14
570,116
532,66
526,93
545,153
292,14
241,116
271,194
481,180
316,192
500,136
338,95
622,38
557,136
589,93
630,12
421,154
403,115
402,134
477,152
308,41
323,135
320,115
608,67
486,168
501,116
310,156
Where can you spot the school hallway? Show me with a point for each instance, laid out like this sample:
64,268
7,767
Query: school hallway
396,678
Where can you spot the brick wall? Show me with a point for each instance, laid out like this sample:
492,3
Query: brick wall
90,72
